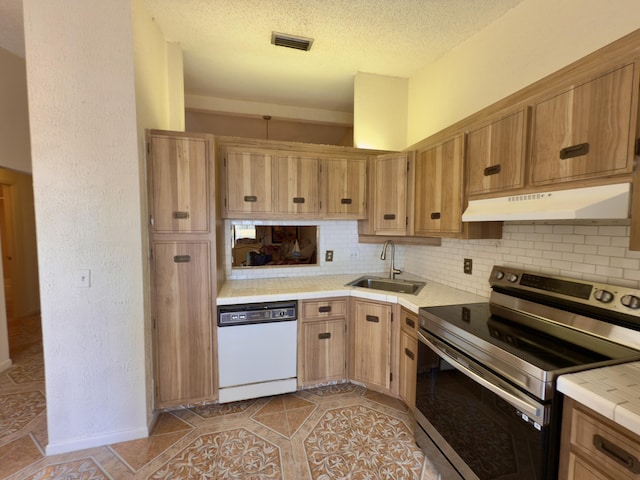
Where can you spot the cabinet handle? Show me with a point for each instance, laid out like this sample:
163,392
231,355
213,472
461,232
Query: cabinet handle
616,453
409,354
574,151
372,318
346,201
389,216
298,199
324,309
250,198
410,322
435,216
324,336
180,215
492,170
182,258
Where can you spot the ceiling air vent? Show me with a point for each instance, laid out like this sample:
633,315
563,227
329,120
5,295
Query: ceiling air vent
291,41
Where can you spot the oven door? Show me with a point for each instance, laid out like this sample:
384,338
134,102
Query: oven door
485,427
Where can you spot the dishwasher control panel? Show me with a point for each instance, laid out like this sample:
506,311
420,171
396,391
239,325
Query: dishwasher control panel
251,313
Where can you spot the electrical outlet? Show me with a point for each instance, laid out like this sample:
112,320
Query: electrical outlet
467,266
328,256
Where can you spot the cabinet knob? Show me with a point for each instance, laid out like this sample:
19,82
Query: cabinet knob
250,198
324,336
492,170
389,216
616,453
435,216
298,199
180,215
182,258
346,201
574,151
410,322
324,309
372,318
409,353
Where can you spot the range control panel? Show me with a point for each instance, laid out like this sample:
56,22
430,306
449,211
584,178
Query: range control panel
252,313
611,297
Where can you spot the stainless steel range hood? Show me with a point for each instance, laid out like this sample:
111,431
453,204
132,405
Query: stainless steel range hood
589,203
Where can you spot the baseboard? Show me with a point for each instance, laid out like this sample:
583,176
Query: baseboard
5,365
55,448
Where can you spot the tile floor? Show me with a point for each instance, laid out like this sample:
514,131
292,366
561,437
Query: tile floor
343,431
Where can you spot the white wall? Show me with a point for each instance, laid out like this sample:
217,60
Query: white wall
531,41
80,70
380,111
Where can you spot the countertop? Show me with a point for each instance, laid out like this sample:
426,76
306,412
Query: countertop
303,288
613,392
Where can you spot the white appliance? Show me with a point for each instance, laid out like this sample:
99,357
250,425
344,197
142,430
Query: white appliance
588,203
257,350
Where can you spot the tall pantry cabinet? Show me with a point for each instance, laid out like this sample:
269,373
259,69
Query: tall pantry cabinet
181,179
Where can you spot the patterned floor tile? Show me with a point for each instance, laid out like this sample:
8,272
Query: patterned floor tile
18,409
285,414
83,469
359,442
383,399
233,454
330,390
221,409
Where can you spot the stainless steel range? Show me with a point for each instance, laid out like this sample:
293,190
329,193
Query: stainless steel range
486,402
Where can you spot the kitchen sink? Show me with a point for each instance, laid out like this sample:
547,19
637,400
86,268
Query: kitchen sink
388,284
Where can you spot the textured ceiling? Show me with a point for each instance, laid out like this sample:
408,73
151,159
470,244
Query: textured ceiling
228,54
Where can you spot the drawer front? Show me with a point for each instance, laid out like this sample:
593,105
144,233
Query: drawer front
321,309
606,446
409,323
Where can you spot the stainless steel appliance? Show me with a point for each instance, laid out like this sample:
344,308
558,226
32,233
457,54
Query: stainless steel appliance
486,402
257,350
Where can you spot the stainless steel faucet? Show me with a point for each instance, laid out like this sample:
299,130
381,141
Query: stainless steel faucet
393,271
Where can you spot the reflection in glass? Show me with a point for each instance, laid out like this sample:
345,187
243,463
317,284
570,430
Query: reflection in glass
278,245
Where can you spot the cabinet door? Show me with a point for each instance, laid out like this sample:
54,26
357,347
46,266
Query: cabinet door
345,187
323,345
182,320
390,194
496,154
298,184
249,182
408,368
438,192
371,345
179,184
586,131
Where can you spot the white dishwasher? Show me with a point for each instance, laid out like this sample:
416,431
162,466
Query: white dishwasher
257,350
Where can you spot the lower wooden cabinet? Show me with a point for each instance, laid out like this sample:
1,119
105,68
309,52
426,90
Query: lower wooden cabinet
322,342
182,322
595,448
408,368
370,344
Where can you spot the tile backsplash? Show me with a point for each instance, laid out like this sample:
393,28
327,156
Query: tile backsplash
596,251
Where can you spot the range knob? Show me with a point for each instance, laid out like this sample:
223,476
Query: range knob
603,296
512,277
499,275
630,301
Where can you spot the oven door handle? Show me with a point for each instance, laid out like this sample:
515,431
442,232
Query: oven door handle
532,411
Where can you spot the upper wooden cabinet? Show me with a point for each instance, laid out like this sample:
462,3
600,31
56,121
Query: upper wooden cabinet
438,192
298,184
178,184
249,179
344,183
585,131
272,183
388,196
496,154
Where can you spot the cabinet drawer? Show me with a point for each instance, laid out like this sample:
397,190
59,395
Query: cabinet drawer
409,323
610,448
319,309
